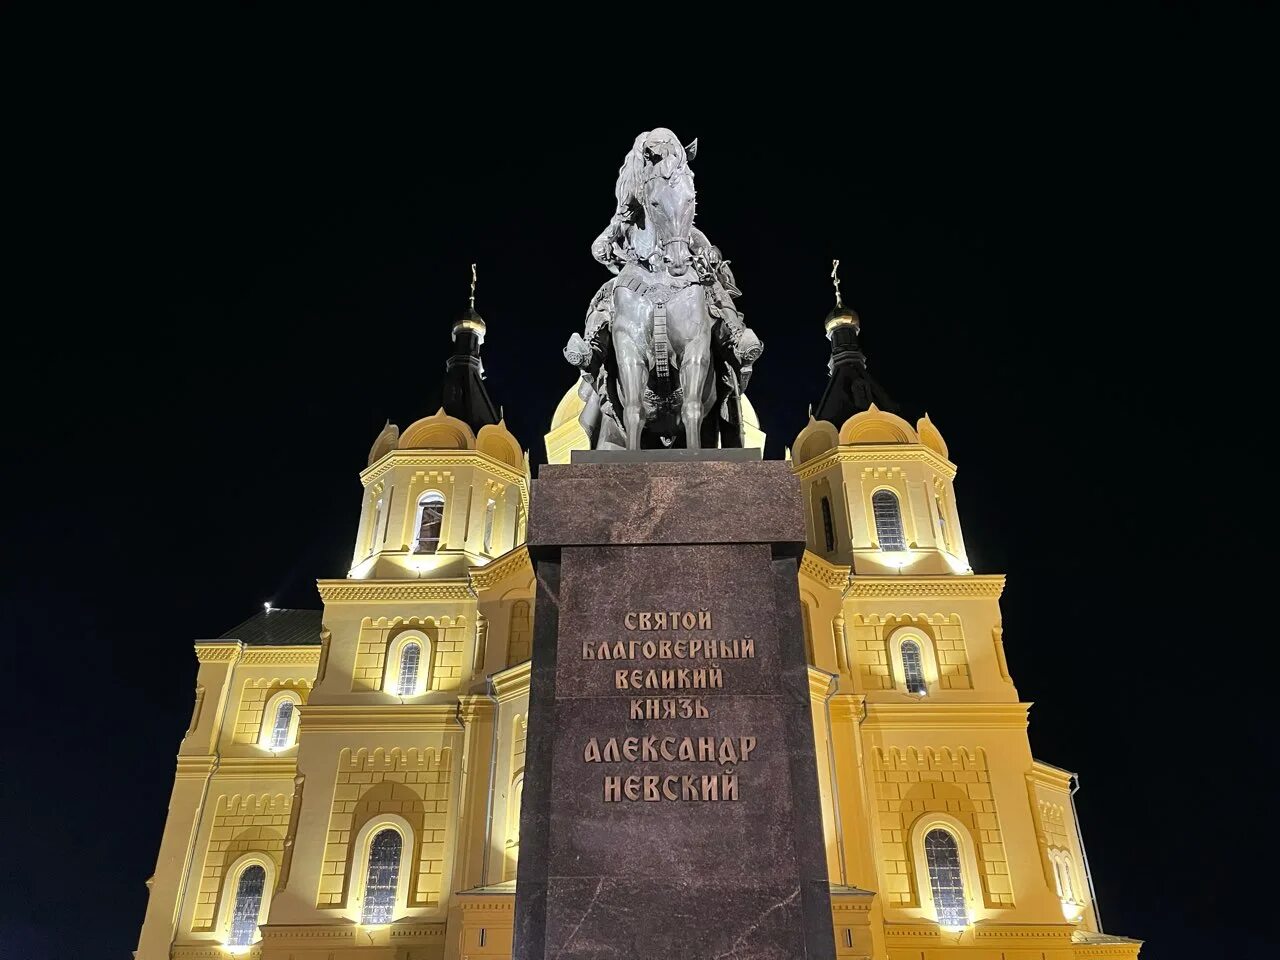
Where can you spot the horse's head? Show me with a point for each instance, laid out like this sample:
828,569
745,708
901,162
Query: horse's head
669,207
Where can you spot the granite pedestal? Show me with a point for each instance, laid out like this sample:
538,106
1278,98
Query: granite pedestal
671,806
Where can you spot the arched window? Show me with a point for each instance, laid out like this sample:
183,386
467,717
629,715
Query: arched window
382,879
407,679
913,668
430,519
946,878
248,905
1062,875
490,509
888,516
282,728
279,725
828,525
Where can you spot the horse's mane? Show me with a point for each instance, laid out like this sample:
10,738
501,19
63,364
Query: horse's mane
636,171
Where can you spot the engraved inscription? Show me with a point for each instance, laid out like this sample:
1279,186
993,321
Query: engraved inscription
726,752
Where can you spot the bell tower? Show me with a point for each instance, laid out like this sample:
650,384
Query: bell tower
931,796
878,491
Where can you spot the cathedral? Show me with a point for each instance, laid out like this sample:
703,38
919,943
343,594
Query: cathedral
350,783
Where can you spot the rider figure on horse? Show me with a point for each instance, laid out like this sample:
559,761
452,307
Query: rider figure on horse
735,347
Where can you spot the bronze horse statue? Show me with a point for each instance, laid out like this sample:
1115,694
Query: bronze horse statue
665,345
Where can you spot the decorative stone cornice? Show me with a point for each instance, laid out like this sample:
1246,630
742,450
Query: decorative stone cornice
876,453
194,767
825,572
821,683
845,899
473,707
417,932
1086,943
446,458
1032,936
894,588
309,932
947,716
393,591
435,717
292,655
511,563
212,950
1046,774
912,932
848,706
1025,932
218,651
269,767
512,682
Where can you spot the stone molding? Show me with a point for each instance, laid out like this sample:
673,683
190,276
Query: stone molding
269,767
848,706
393,591
417,932
947,716
473,707
885,588
446,458
878,453
825,572
257,656
308,932
822,684
1047,775
435,717
489,576
195,768
212,950
512,682
218,651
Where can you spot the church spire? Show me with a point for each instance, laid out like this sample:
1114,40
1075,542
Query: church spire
464,393
850,389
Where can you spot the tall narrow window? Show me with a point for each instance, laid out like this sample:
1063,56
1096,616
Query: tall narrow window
944,533
283,723
888,515
828,525
942,854
377,522
913,668
490,509
244,915
383,878
430,519
410,657
1062,875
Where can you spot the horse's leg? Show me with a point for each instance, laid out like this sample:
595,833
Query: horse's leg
630,351
694,328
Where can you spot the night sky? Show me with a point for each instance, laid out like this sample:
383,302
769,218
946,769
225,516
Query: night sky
234,269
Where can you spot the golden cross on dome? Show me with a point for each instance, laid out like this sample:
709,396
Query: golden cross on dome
473,287
835,281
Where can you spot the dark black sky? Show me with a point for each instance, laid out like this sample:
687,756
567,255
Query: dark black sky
233,254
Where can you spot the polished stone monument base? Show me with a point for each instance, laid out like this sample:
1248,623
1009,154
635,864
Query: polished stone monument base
670,797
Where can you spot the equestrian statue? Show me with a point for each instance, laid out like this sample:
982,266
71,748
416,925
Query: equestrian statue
665,357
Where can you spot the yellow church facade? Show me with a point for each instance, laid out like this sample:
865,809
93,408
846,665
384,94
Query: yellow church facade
349,786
